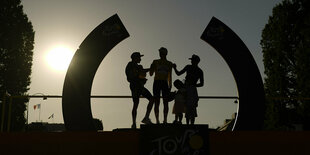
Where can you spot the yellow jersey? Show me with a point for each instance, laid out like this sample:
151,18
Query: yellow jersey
162,69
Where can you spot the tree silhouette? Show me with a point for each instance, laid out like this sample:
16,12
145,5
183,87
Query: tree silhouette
286,50
16,45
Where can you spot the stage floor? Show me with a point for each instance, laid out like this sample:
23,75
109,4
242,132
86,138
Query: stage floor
126,142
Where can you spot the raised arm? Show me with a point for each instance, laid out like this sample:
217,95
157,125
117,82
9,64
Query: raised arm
179,72
146,69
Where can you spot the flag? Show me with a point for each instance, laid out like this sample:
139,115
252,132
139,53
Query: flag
36,106
52,116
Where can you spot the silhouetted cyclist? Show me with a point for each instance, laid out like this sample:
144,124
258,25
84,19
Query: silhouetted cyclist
162,82
136,77
193,74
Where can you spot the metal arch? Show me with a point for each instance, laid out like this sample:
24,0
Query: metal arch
82,69
78,81
245,71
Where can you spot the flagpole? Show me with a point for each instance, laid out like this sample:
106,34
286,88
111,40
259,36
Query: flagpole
40,114
35,107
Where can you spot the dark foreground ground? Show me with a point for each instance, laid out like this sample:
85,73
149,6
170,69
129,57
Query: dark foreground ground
126,142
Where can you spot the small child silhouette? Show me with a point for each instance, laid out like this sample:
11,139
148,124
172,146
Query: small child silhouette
179,101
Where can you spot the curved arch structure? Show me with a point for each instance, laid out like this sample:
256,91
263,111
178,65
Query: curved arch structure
82,69
245,71
84,64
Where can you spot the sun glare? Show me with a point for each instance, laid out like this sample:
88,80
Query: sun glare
59,58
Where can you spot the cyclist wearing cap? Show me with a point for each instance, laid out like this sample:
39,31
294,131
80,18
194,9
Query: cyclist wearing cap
193,75
136,77
162,82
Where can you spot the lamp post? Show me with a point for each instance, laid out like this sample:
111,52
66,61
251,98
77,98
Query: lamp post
44,97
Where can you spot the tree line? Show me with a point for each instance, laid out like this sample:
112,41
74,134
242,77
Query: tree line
16,52
286,54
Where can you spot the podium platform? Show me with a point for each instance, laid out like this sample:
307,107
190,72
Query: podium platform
129,142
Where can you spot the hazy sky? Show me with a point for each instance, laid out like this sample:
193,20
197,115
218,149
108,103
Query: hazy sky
174,24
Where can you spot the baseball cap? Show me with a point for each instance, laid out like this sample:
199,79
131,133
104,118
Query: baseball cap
195,58
136,55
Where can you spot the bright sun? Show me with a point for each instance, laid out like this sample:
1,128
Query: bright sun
59,58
